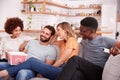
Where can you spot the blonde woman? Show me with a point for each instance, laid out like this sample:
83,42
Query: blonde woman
68,47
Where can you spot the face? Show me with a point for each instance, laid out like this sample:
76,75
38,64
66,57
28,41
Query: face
60,32
45,35
16,32
85,32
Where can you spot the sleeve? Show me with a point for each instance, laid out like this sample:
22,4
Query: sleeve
72,43
52,55
57,50
109,42
27,46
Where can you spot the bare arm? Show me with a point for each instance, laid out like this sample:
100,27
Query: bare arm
115,49
63,58
50,62
22,46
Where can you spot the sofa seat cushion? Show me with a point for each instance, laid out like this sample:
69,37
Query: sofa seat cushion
112,68
37,78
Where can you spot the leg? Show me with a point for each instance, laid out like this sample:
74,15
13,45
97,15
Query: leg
25,74
36,65
4,65
88,71
78,76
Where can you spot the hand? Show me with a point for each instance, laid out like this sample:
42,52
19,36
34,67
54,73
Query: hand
6,53
0,56
115,51
54,39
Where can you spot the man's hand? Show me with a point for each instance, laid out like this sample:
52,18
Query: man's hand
114,51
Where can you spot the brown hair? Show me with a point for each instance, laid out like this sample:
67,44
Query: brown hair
13,23
51,28
67,27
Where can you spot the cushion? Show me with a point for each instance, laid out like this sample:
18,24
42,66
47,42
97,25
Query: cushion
37,78
111,70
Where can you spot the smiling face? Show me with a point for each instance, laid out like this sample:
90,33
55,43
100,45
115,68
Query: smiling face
45,35
16,32
85,32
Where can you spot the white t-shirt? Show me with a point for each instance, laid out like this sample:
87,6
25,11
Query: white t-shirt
9,44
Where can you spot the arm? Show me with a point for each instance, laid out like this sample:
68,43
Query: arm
63,58
115,49
22,46
50,62
70,48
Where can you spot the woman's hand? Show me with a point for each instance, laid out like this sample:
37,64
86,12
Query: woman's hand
114,51
54,39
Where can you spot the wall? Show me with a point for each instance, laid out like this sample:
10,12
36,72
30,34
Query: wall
9,9
12,8
108,17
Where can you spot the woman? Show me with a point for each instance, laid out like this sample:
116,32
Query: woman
69,47
14,27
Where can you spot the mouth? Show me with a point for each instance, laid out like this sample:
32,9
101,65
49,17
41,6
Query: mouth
43,37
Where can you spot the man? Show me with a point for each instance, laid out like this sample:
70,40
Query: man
40,49
91,64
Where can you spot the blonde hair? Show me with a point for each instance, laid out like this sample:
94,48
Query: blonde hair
67,27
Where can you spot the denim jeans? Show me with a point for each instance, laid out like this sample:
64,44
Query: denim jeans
25,74
36,65
4,65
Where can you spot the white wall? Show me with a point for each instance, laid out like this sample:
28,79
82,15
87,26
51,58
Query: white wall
108,18
12,8
9,8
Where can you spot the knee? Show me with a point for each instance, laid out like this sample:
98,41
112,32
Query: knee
75,57
24,74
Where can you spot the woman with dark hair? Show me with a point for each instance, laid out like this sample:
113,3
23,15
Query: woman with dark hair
68,48
13,27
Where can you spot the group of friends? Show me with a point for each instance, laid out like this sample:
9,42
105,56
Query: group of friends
59,59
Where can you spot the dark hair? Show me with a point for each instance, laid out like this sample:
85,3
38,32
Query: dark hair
51,28
13,23
90,22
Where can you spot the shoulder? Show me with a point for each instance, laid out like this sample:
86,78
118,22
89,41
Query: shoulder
72,39
6,38
33,41
52,49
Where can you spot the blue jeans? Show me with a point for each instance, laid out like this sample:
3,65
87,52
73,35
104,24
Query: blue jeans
4,65
25,74
36,65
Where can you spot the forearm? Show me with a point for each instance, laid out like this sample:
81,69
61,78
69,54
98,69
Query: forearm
58,63
22,46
